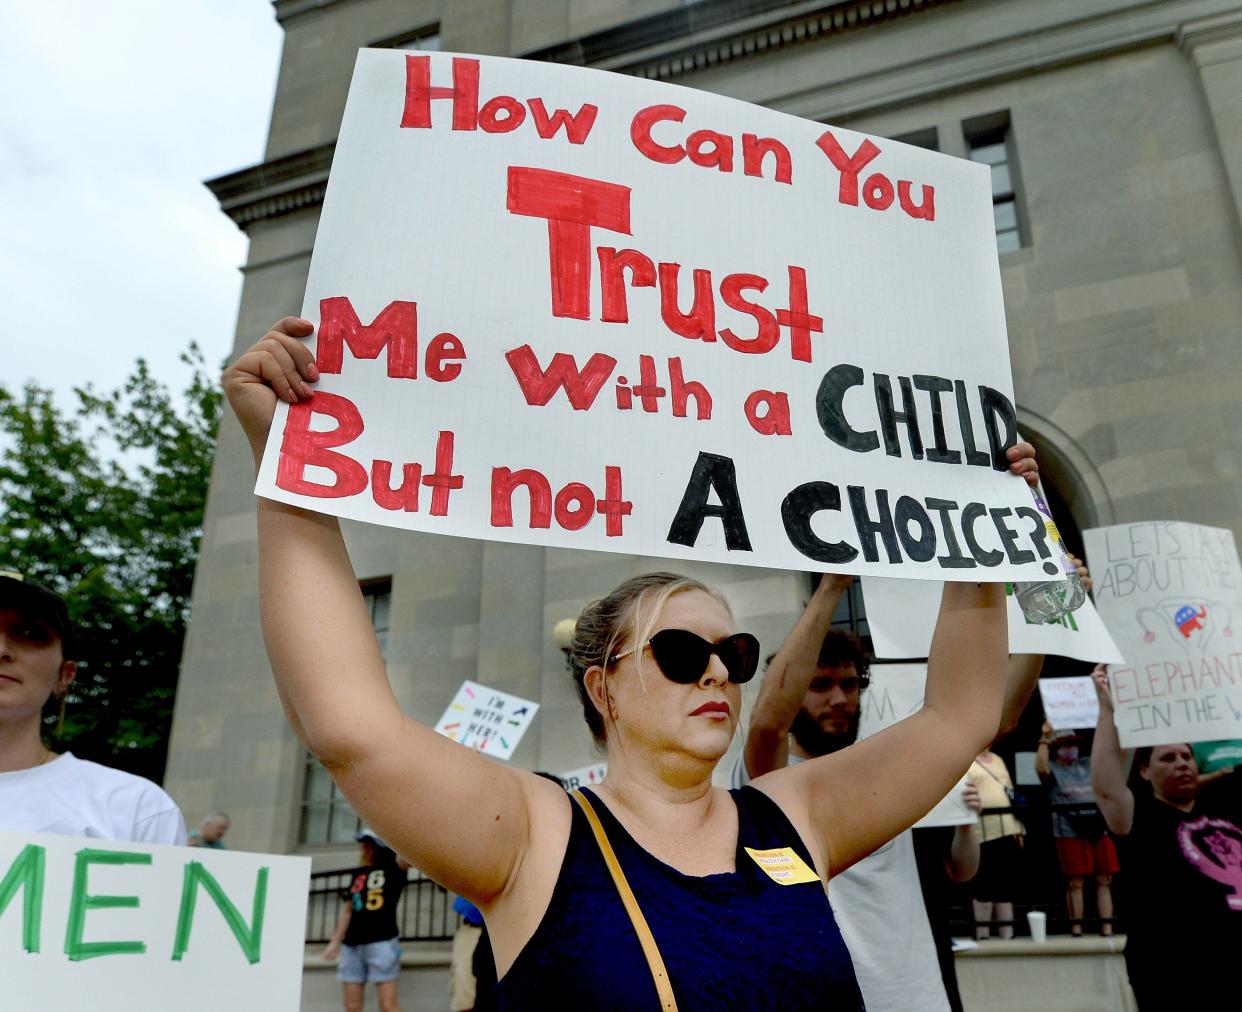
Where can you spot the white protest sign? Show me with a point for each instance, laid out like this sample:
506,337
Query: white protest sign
902,617
620,315
113,927
894,693
1170,593
584,776
1070,703
487,720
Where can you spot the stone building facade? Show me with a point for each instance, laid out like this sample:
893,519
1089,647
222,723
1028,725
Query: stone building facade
1115,129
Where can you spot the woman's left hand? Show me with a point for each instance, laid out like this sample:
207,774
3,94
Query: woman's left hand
1022,462
1083,573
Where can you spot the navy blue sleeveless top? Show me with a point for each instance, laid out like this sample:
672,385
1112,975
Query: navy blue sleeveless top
735,940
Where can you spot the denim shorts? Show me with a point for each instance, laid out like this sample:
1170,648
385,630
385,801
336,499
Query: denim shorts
375,962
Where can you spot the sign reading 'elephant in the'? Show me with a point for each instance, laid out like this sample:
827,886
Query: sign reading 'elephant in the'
566,307
1171,595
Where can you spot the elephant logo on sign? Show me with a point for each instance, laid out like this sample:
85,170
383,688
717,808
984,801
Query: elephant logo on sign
1185,621
1188,620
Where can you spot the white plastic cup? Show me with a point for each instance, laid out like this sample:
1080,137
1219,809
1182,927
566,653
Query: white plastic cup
1037,920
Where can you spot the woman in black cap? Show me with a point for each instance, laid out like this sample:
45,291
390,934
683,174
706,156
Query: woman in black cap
40,791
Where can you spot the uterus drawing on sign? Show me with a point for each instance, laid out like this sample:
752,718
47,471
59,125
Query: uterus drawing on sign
1214,847
1190,622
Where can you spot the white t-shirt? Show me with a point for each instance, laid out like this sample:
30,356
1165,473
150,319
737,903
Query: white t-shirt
73,797
879,907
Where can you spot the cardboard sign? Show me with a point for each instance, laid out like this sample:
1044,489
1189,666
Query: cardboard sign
1171,594
584,776
566,307
902,616
487,720
896,691
1070,704
112,926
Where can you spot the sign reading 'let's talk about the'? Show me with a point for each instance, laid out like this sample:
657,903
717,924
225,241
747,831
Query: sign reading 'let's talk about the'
1171,595
567,307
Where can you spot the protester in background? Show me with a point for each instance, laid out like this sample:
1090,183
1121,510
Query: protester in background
462,984
1084,847
40,791
1181,846
1217,759
947,857
1000,853
366,938
720,880
210,832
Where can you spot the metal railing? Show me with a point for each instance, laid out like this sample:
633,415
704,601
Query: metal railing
1042,885
424,911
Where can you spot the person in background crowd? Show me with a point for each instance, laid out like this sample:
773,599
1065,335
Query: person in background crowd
947,856
462,981
1217,759
1000,853
809,705
654,884
366,937
40,791
210,832
1181,846
1084,847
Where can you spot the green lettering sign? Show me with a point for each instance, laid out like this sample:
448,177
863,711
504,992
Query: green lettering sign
26,871
80,903
249,938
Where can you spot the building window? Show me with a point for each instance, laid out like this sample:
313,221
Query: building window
378,597
927,138
326,815
991,145
425,39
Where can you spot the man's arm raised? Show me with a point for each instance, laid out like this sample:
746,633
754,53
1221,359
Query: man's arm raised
788,677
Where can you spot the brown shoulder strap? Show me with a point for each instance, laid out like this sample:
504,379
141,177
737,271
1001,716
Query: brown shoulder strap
663,987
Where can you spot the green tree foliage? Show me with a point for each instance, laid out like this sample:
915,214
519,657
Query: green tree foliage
105,505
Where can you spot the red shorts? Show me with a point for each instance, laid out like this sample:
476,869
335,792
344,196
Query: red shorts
1087,857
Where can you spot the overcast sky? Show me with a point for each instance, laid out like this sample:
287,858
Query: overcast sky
114,114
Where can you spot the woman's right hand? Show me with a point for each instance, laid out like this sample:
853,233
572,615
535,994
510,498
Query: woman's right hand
331,952
1099,675
278,365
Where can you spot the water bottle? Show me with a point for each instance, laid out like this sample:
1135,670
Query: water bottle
1049,602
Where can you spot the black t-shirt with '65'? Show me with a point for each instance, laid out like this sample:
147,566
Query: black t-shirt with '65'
372,896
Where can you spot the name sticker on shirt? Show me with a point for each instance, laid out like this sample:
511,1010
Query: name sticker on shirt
783,866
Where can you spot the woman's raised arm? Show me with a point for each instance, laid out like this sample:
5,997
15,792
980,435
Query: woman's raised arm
463,819
857,799
1108,768
854,800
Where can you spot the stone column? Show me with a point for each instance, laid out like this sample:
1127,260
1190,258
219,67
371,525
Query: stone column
1214,45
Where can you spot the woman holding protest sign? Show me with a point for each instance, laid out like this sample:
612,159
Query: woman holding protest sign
1181,849
656,889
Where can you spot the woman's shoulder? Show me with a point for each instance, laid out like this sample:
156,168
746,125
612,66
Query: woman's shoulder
152,814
